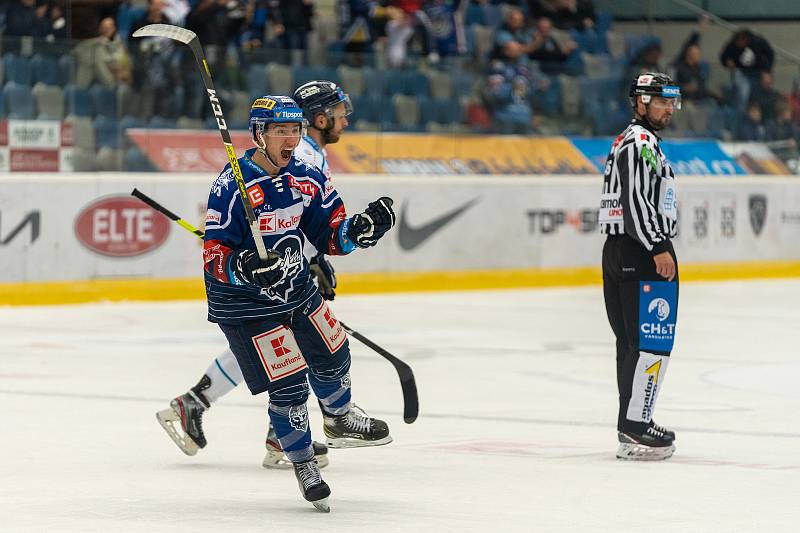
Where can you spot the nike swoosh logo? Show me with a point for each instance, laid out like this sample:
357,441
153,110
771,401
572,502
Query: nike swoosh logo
412,237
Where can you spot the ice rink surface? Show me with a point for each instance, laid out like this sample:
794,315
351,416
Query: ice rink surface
516,429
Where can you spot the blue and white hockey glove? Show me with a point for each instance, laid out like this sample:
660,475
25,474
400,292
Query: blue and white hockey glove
366,228
322,270
248,268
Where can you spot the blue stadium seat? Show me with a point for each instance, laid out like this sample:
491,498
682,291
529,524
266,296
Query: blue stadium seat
257,80
18,69
161,123
305,74
104,101
106,132
463,82
393,82
78,101
446,111
373,81
19,101
136,161
2,103
415,83
66,69
46,70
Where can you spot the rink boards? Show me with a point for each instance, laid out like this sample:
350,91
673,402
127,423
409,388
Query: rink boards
82,237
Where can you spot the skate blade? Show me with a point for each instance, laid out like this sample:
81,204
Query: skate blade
349,442
322,505
169,420
637,452
276,459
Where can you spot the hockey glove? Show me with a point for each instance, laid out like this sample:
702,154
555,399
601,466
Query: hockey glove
367,227
248,268
322,270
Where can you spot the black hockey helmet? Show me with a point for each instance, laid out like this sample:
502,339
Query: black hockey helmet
654,84
321,96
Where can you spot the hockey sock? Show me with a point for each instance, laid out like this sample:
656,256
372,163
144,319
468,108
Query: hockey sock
293,432
334,396
648,378
224,374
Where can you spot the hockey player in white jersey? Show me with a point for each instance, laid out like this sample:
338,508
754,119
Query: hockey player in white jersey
326,107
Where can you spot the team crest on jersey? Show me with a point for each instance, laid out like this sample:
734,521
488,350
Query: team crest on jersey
290,248
222,182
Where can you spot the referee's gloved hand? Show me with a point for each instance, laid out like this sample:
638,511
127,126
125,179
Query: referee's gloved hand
249,268
367,227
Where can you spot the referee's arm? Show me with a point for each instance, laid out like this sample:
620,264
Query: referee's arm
638,205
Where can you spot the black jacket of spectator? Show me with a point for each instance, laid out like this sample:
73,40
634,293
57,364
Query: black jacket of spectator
295,15
749,52
208,19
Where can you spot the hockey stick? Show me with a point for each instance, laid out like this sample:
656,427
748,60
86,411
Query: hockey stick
408,383
189,38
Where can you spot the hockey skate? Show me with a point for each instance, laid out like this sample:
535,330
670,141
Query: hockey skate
311,485
183,422
354,429
668,432
652,445
275,458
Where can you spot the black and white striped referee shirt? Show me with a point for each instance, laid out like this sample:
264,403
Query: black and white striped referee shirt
639,190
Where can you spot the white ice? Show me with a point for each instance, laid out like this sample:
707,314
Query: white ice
516,430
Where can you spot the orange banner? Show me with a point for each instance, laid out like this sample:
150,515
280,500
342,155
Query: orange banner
395,153
382,153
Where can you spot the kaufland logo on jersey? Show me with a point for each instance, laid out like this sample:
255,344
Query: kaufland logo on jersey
274,223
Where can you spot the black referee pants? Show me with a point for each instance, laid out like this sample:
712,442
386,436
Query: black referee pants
641,362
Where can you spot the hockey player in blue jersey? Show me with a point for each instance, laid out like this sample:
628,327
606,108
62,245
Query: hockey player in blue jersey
280,329
326,107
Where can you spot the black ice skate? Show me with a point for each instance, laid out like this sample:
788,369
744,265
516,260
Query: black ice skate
652,445
668,432
188,410
275,458
311,485
355,429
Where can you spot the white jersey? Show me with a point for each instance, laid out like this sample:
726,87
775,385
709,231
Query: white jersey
310,153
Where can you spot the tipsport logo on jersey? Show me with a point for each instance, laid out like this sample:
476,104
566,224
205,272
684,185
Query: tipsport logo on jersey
658,312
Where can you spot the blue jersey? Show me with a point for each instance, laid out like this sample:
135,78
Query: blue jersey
297,207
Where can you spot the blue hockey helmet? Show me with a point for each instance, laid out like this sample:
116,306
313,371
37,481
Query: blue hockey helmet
274,110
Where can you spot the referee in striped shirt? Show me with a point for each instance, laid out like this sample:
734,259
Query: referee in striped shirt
638,210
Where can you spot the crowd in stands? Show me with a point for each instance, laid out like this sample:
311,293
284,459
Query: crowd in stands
518,66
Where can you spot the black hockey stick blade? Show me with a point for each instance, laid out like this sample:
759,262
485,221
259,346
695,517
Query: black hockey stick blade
166,212
407,381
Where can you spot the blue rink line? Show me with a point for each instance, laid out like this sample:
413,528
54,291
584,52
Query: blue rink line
439,416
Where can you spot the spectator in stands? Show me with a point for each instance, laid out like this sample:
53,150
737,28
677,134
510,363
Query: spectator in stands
794,102
784,128
767,98
444,22
30,18
209,20
154,15
513,41
293,25
565,14
698,98
363,22
103,59
551,52
401,29
646,59
507,96
752,127
746,55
